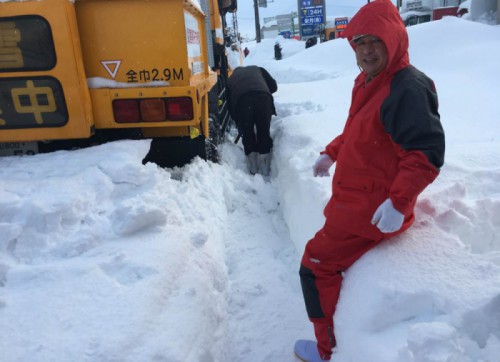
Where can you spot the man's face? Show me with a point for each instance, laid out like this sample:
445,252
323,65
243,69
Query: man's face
371,54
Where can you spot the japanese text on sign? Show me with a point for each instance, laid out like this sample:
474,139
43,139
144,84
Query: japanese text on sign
308,3
311,13
312,20
32,102
192,35
341,23
26,44
10,53
28,100
154,75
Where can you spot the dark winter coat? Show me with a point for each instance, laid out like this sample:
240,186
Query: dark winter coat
249,79
392,144
311,42
277,52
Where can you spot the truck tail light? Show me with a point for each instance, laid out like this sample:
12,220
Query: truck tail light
126,110
153,110
180,109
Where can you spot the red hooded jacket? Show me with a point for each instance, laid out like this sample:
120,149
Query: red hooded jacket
392,144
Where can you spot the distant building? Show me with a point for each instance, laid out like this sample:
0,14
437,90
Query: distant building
420,11
280,25
269,30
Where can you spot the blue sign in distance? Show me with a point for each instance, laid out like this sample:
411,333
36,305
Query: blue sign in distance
311,15
307,30
310,20
312,11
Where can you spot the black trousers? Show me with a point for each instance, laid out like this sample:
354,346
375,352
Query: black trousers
254,112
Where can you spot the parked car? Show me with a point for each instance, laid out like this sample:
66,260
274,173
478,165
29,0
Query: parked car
416,17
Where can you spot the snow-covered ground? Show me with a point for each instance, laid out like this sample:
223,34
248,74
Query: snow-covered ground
105,259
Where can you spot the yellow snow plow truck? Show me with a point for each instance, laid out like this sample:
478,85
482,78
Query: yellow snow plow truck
75,73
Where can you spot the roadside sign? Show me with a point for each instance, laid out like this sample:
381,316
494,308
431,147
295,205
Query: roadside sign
312,17
340,25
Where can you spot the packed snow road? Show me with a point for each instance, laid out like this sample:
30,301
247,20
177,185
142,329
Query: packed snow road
266,311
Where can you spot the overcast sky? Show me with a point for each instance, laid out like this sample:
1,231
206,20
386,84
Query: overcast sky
246,12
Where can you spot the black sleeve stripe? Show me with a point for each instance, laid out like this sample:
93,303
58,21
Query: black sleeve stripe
410,115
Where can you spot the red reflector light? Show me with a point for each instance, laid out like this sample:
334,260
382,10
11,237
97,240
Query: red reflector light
153,110
180,109
126,110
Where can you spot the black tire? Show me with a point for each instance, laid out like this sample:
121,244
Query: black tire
175,151
213,140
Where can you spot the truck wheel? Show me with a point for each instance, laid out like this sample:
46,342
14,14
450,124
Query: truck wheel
175,151
213,140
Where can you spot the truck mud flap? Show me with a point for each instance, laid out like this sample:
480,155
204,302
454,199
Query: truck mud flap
175,151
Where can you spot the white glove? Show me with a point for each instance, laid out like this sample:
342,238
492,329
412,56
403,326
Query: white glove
322,165
387,218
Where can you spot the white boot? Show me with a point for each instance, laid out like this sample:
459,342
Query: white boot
253,162
307,351
265,164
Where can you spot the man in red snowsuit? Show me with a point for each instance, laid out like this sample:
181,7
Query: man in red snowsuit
391,148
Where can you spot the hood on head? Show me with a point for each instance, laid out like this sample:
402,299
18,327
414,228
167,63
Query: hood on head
381,18
357,37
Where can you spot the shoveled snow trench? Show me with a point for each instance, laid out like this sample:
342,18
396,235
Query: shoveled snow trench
104,259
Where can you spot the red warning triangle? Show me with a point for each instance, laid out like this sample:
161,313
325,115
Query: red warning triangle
111,66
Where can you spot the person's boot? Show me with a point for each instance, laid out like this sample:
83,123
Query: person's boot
253,162
265,164
308,351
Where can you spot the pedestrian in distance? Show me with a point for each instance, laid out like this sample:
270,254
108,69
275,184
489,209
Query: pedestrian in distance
391,148
251,104
311,42
246,52
277,51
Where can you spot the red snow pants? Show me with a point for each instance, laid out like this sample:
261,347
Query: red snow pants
329,253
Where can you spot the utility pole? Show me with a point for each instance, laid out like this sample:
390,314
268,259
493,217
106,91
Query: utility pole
257,21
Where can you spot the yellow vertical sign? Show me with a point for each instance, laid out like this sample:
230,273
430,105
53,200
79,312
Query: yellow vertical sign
34,105
10,54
